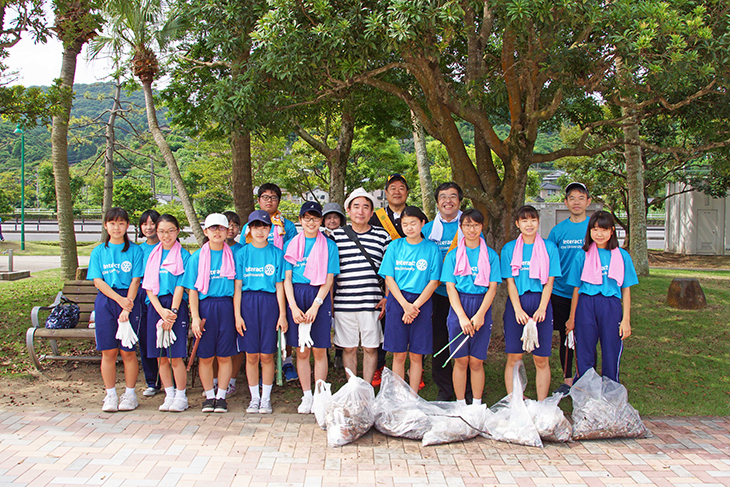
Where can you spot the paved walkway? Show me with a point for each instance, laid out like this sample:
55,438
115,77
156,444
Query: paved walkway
35,263
156,449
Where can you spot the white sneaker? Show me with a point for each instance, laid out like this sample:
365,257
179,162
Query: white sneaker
150,391
306,406
110,404
128,402
265,407
165,406
179,405
253,406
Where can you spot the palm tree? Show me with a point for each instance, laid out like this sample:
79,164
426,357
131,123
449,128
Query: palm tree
135,28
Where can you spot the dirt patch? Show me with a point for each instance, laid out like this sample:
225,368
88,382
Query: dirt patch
668,259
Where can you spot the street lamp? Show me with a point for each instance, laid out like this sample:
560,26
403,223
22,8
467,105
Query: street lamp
20,131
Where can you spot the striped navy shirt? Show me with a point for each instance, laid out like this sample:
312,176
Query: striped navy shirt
357,285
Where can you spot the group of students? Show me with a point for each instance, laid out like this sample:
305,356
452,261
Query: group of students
237,297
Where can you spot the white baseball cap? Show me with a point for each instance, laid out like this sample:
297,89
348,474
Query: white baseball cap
215,219
359,193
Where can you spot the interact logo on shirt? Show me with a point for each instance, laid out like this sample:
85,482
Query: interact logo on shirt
405,265
421,264
269,269
572,244
254,272
525,265
126,266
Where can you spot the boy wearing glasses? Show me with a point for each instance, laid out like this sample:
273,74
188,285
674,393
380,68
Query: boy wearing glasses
445,233
282,230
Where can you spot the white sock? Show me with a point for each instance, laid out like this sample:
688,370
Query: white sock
111,392
170,391
180,393
221,393
266,391
461,402
308,393
254,392
477,401
130,390
232,383
287,360
210,394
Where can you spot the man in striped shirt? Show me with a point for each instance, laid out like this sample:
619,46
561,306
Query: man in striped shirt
359,302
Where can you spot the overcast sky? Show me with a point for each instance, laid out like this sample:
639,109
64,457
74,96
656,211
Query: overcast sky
40,64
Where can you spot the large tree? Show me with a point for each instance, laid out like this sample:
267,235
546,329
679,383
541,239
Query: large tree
530,64
139,27
76,23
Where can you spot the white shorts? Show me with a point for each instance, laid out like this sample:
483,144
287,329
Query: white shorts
351,327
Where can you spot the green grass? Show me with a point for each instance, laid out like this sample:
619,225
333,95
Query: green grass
45,248
675,363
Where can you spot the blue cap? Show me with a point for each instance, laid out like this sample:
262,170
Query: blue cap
260,216
310,206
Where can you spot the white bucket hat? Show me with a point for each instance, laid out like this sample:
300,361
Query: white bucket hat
359,193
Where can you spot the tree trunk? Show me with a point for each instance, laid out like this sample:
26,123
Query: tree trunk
424,168
241,177
59,158
340,156
169,158
637,202
109,156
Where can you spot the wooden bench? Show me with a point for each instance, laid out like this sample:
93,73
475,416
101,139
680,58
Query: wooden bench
81,291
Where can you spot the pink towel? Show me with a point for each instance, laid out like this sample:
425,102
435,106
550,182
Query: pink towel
462,267
173,263
592,272
228,267
316,268
539,261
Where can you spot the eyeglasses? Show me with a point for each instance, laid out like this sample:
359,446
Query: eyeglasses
165,233
470,226
218,228
446,197
269,197
311,219
234,226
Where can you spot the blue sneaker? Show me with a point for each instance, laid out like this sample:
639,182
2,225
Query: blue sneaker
289,373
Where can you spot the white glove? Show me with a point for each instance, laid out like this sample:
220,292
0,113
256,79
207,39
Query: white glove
529,336
126,334
160,334
305,336
171,337
570,340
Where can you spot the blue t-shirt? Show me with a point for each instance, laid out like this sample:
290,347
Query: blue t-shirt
218,286
169,281
447,238
117,268
259,269
333,261
412,266
522,280
146,250
289,227
465,284
609,287
569,238
236,246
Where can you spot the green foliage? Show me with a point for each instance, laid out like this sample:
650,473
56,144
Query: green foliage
47,196
134,197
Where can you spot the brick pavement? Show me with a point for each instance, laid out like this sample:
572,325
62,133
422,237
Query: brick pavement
217,450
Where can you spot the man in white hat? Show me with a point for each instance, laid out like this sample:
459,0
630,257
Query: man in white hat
359,301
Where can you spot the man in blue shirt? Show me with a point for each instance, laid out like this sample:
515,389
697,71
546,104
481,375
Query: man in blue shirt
568,236
444,232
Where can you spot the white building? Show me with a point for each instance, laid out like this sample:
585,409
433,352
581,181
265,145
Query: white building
697,223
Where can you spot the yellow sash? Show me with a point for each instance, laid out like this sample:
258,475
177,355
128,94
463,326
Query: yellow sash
385,220
454,243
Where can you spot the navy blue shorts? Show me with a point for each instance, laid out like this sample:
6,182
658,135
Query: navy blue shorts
598,318
179,349
477,345
416,337
304,295
513,331
219,337
260,312
106,312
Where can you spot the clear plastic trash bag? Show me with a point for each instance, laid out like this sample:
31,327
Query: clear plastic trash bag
601,409
511,421
549,419
398,412
350,414
322,402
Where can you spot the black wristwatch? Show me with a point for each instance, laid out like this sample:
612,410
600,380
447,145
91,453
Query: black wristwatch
174,310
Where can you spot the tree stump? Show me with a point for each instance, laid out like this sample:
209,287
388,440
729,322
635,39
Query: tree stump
686,293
